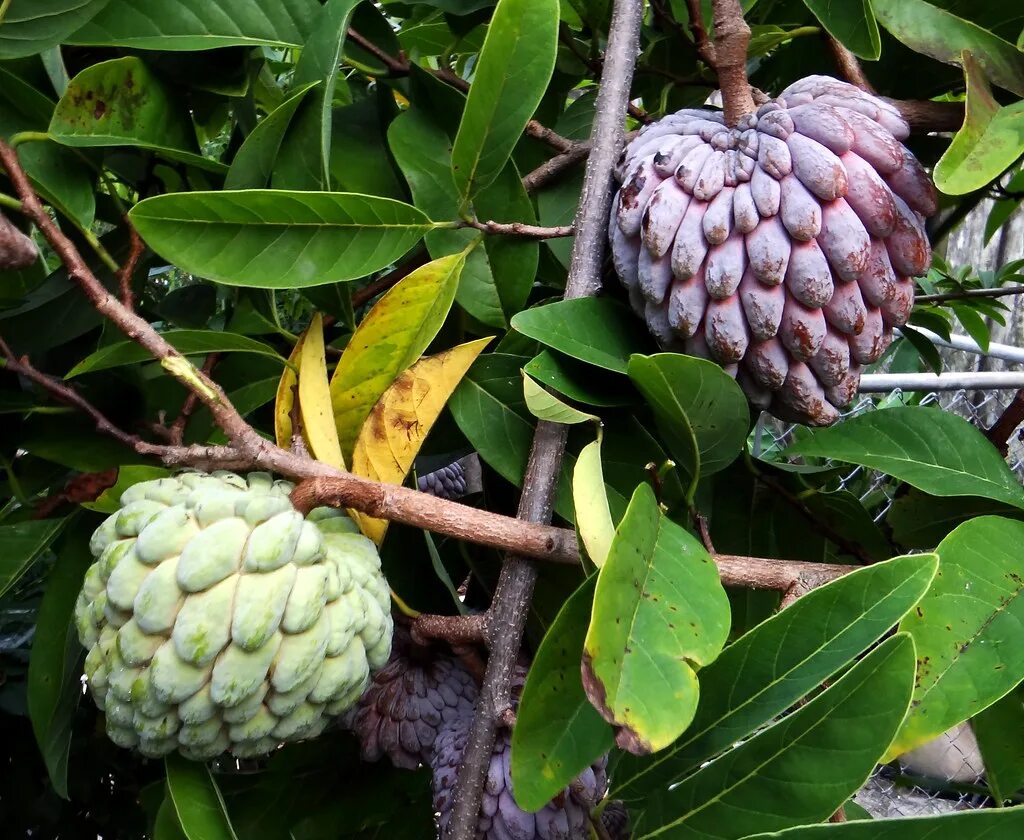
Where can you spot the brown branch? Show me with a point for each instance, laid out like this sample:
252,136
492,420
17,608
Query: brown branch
555,140
1002,430
176,431
847,63
382,284
923,115
732,37
456,630
127,271
506,616
551,169
397,66
705,49
86,487
521,229
134,327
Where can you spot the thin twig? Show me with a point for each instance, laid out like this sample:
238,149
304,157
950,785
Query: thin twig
397,66
705,49
127,271
847,63
967,294
551,169
506,616
521,229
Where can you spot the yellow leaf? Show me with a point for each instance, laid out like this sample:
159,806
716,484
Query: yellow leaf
392,336
593,517
400,421
286,397
315,398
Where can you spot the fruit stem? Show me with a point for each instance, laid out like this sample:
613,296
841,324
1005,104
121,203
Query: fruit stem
732,37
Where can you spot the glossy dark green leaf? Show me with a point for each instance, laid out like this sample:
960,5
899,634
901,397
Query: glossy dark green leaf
988,824
511,75
21,545
658,582
188,342
928,448
166,825
935,32
499,273
700,410
573,379
850,22
254,161
788,656
275,239
1003,756
969,629
360,160
197,800
31,26
558,734
800,769
199,24
594,330
919,520
122,103
54,688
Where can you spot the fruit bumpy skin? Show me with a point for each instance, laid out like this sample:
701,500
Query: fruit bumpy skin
409,700
564,818
218,619
792,240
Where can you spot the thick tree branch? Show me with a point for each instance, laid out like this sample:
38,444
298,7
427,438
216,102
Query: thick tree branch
506,617
732,36
923,115
1002,430
847,64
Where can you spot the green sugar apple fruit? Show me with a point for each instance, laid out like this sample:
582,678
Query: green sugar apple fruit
217,618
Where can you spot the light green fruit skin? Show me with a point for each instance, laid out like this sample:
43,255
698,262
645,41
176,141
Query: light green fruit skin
217,619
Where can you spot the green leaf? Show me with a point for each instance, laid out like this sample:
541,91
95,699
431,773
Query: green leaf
803,767
944,36
498,276
972,320
199,24
544,405
62,178
853,24
32,26
988,824
594,330
360,159
109,501
197,800
187,342
254,161
576,381
918,520
21,545
166,825
928,448
700,410
968,629
122,103
54,688
391,337
1003,756
558,734
512,73
781,660
593,516
274,239
319,63
990,140
658,583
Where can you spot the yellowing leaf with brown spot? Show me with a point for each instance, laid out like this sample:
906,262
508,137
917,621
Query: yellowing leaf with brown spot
315,398
400,421
286,397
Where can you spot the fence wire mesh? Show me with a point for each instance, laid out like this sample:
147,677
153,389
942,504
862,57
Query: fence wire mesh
946,774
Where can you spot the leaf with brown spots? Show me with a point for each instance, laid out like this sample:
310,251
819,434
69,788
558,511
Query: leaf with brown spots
402,418
660,613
